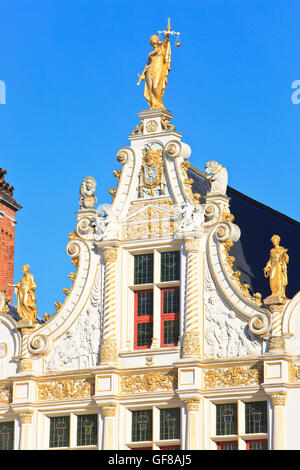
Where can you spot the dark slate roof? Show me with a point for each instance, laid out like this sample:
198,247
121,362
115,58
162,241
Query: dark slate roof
258,223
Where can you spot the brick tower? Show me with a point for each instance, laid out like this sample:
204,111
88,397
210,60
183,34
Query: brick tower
8,209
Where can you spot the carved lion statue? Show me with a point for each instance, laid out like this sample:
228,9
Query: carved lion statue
87,198
218,178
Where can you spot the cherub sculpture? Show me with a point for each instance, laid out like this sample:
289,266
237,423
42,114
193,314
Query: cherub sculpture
87,198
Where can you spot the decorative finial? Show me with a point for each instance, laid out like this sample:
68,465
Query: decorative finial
158,67
87,198
276,268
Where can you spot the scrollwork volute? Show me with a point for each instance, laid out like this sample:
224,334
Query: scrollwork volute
39,344
260,323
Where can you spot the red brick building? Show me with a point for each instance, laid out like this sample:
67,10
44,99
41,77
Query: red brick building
8,209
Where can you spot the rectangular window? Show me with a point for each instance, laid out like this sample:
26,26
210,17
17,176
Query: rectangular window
170,266
256,417
59,431
7,435
86,430
170,316
226,419
143,269
170,423
143,319
261,444
227,445
141,425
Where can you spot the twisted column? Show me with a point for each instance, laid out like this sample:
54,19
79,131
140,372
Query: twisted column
278,403
192,428
109,337
276,306
191,337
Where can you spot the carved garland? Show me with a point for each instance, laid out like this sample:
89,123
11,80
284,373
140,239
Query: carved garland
233,377
66,389
150,382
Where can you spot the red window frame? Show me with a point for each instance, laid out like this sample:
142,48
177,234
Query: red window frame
219,444
140,319
167,316
256,441
169,447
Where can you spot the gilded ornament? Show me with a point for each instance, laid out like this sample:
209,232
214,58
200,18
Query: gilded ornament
188,182
149,382
191,344
66,389
157,69
108,350
117,174
276,269
151,126
166,125
192,405
5,393
25,293
46,317
138,130
4,302
151,170
72,276
108,410
66,291
233,377
110,254
294,373
278,399
276,343
57,306
26,417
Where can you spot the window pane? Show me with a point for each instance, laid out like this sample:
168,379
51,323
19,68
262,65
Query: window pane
87,430
7,435
256,417
171,331
226,415
142,425
258,445
144,303
170,423
144,334
143,269
171,301
170,266
59,431
227,446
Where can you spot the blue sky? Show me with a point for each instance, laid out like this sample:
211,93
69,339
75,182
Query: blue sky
70,69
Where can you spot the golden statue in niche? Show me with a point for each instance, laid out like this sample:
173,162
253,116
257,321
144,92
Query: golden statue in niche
24,291
157,69
276,268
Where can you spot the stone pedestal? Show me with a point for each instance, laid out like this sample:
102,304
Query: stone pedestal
276,306
25,360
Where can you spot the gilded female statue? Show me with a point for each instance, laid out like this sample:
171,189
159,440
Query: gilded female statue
157,69
276,268
24,291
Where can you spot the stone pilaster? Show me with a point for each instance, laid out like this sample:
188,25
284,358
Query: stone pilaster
191,337
25,419
108,412
109,353
192,427
278,402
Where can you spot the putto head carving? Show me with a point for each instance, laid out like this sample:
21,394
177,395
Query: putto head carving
87,198
218,179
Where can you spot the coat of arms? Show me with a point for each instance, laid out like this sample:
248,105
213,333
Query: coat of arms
151,170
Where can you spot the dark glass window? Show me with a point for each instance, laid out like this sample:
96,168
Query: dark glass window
256,417
143,269
143,319
170,266
170,423
257,445
141,425
145,303
227,446
86,430
226,419
144,335
7,435
170,316
59,431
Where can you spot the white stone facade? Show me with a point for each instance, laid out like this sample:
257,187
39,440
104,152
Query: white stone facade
85,361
